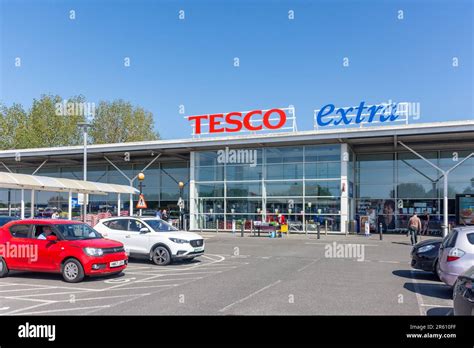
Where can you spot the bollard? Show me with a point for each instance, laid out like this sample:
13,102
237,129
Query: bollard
306,228
242,229
217,225
325,227
317,228
233,227
380,231
347,227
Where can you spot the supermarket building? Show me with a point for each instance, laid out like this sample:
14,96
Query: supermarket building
332,176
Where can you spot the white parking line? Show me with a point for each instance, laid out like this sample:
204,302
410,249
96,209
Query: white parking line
434,305
101,298
419,298
309,264
16,290
330,242
395,262
249,296
26,308
152,279
64,310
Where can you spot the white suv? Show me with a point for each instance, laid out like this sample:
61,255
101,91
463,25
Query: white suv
152,238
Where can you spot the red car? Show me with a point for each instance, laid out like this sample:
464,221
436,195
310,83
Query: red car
71,248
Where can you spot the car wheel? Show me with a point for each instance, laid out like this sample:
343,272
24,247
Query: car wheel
161,256
3,268
73,272
436,270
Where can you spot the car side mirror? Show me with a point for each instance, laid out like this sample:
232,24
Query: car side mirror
52,238
144,230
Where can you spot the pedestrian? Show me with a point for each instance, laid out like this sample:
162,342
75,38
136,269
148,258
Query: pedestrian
425,219
367,227
281,222
164,215
55,215
414,227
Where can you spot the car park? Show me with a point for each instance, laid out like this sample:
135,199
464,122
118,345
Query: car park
71,248
456,254
152,238
464,293
425,255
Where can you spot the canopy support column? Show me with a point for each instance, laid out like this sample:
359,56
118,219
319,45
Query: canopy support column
22,204
32,204
118,204
69,206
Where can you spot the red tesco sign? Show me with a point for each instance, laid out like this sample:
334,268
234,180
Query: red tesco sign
236,121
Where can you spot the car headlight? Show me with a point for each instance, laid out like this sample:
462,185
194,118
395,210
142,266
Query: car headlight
179,241
93,251
426,248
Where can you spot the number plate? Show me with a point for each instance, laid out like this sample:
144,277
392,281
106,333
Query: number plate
117,263
199,249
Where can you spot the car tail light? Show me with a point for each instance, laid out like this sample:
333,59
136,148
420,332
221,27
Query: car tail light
455,254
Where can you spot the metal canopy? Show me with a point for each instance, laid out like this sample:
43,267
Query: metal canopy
44,183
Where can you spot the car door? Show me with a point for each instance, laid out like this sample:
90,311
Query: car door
138,241
115,229
47,251
21,253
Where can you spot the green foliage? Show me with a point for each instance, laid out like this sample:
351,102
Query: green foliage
119,122
45,126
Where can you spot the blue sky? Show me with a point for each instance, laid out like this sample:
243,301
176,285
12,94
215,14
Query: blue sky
282,61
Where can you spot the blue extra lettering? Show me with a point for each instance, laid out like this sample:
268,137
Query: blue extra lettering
323,113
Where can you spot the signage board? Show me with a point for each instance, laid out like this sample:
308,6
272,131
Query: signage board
465,209
141,204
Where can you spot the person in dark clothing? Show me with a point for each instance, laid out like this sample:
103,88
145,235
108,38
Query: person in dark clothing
425,221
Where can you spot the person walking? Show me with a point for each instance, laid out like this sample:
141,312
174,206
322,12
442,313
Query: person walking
414,227
425,222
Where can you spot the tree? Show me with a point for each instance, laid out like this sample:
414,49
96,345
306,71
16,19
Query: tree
46,124
13,122
119,121
45,128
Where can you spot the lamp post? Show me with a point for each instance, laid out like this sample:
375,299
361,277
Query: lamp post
85,126
181,203
140,178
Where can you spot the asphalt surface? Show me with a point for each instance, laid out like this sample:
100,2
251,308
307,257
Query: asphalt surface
249,276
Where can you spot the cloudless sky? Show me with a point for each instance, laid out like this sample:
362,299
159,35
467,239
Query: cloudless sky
282,61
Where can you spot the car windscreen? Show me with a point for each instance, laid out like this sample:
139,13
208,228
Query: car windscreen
160,225
78,232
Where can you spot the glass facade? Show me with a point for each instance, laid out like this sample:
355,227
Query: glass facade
391,186
301,182
309,184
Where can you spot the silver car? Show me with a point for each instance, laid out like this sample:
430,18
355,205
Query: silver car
456,254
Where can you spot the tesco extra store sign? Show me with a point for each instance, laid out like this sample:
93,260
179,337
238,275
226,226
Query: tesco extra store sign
273,119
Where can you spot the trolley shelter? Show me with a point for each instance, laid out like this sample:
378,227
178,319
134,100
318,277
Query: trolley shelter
43,183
